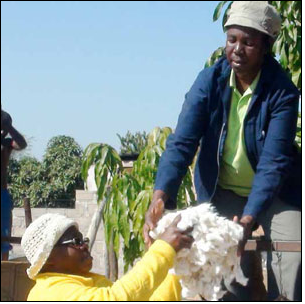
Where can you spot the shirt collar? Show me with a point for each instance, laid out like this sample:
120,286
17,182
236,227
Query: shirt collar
250,90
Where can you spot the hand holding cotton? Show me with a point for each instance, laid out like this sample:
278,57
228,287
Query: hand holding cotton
213,255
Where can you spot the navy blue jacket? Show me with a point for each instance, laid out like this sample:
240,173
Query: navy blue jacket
269,131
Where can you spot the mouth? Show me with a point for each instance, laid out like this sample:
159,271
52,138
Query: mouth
238,62
87,256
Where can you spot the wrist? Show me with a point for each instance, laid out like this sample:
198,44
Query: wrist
159,195
247,219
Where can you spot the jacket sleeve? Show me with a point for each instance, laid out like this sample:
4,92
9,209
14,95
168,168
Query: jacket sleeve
276,158
183,144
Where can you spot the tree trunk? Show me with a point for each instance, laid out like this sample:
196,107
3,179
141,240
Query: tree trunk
95,223
27,211
113,263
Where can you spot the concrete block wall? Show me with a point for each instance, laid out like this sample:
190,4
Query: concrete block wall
85,207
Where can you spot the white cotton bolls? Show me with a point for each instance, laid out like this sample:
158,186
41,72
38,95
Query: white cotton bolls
212,257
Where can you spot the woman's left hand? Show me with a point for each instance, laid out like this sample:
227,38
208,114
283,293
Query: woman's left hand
247,222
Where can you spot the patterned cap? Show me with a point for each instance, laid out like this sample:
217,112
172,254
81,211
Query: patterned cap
40,238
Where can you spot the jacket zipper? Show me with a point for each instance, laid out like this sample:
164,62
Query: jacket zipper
222,128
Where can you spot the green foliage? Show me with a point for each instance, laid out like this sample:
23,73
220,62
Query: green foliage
289,42
130,194
52,182
107,165
215,56
62,166
27,179
133,143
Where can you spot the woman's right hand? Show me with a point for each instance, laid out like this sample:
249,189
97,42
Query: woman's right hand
176,238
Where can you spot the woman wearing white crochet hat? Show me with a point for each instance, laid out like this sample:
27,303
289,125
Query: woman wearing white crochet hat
241,115
61,263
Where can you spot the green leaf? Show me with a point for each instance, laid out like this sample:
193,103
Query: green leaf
116,242
104,154
225,15
218,9
214,57
153,136
296,78
107,230
142,207
88,159
284,58
124,227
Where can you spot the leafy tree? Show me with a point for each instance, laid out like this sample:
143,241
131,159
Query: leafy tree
131,193
133,143
27,179
52,182
62,165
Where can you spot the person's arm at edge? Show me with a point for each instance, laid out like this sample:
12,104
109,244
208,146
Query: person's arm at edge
18,141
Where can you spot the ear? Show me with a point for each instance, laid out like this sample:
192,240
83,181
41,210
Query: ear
269,45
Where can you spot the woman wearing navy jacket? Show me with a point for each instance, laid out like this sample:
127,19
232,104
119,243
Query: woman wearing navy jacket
242,113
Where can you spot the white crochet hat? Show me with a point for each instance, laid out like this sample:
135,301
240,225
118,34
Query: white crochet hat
259,15
40,238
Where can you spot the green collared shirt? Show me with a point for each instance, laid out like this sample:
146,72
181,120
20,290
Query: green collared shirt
236,173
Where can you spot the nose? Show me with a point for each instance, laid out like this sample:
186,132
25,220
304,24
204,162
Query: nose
238,48
84,247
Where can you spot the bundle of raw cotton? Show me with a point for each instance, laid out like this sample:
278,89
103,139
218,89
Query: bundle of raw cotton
212,257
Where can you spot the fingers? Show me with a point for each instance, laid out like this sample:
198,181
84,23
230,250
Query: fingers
152,216
188,230
235,219
147,238
176,221
242,243
158,209
149,223
154,213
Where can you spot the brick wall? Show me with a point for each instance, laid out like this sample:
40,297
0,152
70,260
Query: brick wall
85,207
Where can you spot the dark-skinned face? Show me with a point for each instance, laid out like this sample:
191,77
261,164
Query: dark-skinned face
69,259
245,50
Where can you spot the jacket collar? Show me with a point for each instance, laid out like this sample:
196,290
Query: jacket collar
268,68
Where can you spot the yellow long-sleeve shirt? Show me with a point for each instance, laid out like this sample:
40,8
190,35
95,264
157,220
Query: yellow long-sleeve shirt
148,280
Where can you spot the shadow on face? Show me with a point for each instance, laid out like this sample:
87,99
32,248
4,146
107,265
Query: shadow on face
245,49
69,258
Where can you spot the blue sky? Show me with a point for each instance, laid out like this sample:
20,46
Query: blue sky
93,69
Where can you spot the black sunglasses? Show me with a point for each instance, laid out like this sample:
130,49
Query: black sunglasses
76,242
